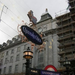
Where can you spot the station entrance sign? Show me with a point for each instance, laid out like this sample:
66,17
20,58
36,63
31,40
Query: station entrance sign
42,72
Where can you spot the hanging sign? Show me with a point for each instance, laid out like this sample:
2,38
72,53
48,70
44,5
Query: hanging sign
32,35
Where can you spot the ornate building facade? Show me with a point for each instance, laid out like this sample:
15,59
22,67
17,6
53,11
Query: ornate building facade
11,52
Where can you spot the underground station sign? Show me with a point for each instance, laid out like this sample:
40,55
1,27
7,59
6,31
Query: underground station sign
32,35
42,72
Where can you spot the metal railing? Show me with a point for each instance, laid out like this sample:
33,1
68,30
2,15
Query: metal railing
62,12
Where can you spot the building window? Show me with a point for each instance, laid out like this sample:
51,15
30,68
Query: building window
40,30
10,69
40,66
17,57
23,67
12,51
16,68
44,28
18,49
2,55
1,61
4,70
11,59
40,57
5,60
7,53
25,46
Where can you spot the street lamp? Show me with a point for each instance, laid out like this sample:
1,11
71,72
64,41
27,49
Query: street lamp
27,55
67,64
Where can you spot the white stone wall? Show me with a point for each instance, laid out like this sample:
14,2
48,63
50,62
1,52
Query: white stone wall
20,62
50,51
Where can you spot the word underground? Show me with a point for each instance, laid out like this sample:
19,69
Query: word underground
49,73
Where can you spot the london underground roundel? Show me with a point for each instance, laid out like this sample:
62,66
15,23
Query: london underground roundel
50,68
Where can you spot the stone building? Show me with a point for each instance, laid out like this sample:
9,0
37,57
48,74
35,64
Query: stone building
11,52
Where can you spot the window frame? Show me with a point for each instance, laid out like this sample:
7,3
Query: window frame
17,57
10,69
16,68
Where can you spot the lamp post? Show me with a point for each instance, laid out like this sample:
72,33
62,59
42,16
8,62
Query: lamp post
28,55
67,64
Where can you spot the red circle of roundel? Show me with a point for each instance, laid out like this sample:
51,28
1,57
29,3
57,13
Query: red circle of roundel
51,66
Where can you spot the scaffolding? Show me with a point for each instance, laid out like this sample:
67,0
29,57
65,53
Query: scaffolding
66,33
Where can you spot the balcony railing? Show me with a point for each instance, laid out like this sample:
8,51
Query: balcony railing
72,13
62,20
68,41
66,44
64,25
71,56
70,1
71,8
66,36
61,13
61,59
70,49
67,50
61,52
65,30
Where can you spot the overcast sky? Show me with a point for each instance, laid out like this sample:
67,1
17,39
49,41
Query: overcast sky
15,11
